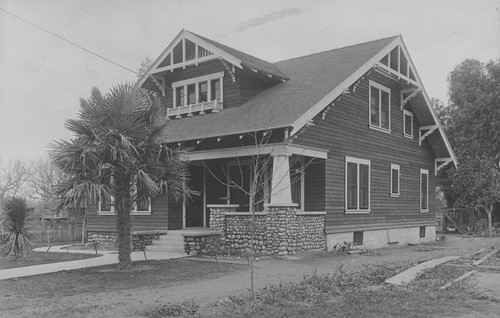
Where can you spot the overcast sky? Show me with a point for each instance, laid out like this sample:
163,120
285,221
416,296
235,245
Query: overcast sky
42,77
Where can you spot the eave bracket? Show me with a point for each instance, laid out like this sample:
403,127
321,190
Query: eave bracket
429,130
440,163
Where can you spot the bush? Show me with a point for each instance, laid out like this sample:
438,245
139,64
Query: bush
16,224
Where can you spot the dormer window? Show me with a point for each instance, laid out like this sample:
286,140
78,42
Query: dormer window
197,95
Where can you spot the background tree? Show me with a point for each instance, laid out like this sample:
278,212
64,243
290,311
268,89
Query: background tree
472,124
13,177
115,154
476,184
44,179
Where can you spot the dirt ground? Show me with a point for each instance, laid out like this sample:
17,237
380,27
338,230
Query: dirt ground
135,302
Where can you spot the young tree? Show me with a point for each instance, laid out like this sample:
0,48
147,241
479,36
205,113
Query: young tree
19,237
115,154
476,184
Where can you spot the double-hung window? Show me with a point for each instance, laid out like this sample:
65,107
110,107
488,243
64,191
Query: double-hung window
357,185
380,107
106,205
142,203
395,180
424,190
201,89
407,124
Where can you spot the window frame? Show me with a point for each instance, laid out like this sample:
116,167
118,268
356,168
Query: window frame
398,169
387,90
112,211
134,210
358,162
302,173
197,81
426,209
408,113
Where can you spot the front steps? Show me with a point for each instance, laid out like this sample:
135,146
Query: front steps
173,242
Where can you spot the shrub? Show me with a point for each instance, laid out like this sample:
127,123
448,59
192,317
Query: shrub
16,224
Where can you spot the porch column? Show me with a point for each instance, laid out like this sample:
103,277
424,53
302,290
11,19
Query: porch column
281,192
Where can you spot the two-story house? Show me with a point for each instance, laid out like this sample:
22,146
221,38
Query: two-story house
336,146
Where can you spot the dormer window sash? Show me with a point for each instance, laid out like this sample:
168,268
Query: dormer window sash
197,95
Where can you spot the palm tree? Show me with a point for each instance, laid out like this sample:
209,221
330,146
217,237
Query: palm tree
18,242
115,150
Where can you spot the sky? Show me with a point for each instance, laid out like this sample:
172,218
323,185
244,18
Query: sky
43,77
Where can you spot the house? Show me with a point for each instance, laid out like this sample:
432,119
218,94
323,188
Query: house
346,141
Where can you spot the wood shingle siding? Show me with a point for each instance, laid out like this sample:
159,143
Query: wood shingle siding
345,132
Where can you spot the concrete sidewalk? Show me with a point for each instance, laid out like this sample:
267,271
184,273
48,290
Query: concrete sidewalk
105,258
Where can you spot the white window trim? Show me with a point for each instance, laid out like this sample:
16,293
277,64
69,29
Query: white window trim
110,212
134,205
396,167
197,80
387,90
426,209
357,161
407,113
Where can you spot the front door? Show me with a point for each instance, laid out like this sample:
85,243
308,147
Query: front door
195,205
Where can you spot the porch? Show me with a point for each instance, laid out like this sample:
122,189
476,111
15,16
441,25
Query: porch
277,192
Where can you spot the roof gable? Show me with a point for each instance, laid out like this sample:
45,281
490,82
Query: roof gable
191,49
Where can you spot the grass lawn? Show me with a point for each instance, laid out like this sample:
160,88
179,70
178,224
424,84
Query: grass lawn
38,258
107,279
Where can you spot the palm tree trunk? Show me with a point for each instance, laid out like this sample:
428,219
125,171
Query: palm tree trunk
123,206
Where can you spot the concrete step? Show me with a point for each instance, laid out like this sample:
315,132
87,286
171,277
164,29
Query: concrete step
168,243
174,249
171,238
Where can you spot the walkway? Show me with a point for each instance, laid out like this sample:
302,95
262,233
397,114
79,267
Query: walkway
105,258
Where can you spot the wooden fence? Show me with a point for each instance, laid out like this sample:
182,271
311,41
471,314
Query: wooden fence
57,230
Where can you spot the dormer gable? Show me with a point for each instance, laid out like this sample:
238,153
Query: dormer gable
194,73
189,49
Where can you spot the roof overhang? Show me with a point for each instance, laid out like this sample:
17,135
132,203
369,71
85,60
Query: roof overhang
423,106
255,150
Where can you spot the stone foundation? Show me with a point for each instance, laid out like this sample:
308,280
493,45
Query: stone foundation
139,240
204,244
279,231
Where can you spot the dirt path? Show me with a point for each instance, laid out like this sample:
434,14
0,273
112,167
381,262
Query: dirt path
135,302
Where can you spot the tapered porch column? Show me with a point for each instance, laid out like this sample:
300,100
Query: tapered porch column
281,192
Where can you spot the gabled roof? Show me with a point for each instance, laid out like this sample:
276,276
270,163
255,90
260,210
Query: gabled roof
213,50
315,81
248,60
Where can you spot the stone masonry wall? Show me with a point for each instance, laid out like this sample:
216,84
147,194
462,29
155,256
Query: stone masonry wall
139,241
213,244
239,233
280,231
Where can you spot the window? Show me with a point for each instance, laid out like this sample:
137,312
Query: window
424,190
239,179
395,180
197,90
407,124
422,232
357,185
297,183
357,238
380,107
106,200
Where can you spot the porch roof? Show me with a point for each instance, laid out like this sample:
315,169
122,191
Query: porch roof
246,151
